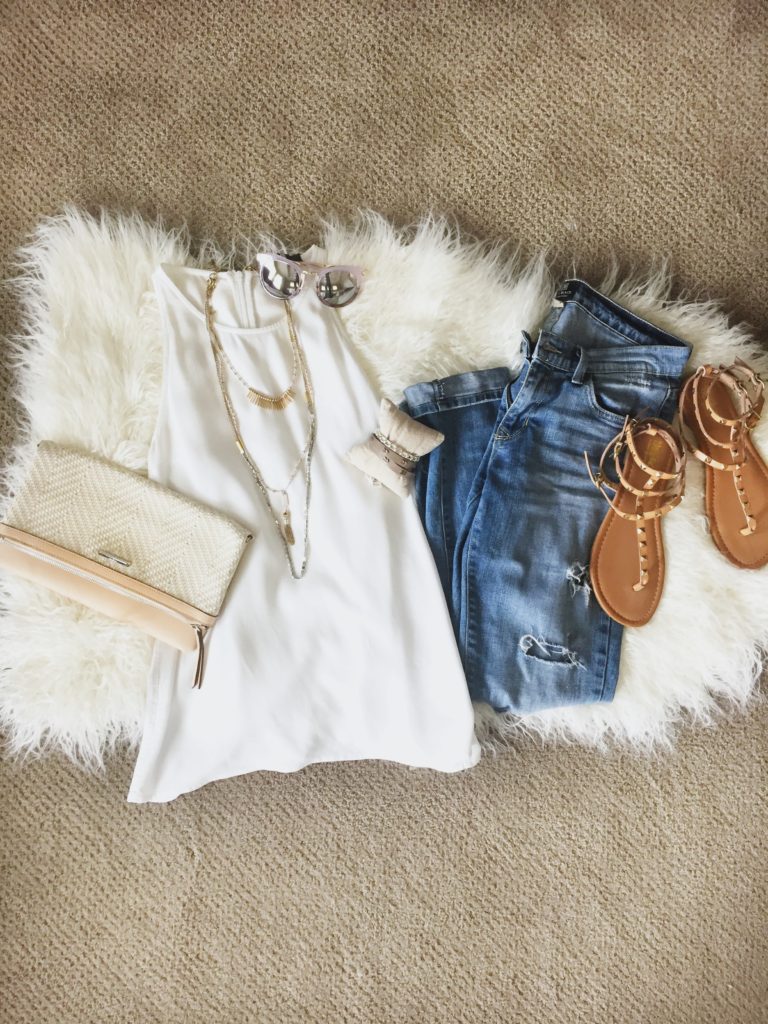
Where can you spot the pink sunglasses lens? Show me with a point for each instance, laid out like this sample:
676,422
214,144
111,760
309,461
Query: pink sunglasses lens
337,287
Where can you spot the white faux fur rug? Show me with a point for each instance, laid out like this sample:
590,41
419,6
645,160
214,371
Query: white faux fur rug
89,367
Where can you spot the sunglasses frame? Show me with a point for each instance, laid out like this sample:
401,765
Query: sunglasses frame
306,270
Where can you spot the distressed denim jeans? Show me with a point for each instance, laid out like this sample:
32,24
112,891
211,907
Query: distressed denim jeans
510,511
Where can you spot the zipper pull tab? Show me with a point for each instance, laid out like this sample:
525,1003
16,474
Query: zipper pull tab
200,632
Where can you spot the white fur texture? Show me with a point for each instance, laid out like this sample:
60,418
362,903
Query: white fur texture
89,367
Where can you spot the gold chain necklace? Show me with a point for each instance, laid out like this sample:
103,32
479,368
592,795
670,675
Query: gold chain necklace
260,398
282,520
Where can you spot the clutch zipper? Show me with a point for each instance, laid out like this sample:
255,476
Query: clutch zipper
198,627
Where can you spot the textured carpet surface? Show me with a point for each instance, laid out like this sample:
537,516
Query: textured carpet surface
548,884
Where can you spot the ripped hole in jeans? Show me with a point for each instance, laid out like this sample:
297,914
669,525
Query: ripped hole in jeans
555,654
578,577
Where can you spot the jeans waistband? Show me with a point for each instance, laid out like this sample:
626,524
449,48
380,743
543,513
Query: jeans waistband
585,330
453,392
587,327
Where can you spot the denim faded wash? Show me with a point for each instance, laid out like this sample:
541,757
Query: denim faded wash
510,511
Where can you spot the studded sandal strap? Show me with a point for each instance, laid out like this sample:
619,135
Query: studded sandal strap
732,377
625,441
625,444
749,391
653,426
602,478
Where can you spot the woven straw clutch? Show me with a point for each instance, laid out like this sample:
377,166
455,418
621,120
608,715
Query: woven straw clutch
123,545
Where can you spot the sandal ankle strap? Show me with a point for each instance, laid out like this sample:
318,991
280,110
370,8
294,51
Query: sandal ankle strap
625,443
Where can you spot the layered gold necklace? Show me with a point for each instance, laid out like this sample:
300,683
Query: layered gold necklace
282,517
260,398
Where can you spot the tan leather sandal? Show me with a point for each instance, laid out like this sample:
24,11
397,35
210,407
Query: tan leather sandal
719,406
627,563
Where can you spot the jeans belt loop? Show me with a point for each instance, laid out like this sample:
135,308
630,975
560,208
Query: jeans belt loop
526,345
581,367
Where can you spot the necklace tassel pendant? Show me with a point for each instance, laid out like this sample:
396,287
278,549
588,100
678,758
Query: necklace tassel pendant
288,529
270,402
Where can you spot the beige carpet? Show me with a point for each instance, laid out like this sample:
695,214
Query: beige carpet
547,885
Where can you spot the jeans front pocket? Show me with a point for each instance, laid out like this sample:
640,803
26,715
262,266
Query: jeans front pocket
615,396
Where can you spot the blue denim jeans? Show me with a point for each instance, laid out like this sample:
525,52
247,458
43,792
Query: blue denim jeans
510,511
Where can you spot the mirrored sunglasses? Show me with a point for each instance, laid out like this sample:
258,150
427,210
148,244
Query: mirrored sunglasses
283,277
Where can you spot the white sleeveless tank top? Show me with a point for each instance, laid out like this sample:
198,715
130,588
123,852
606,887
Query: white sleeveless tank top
358,659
